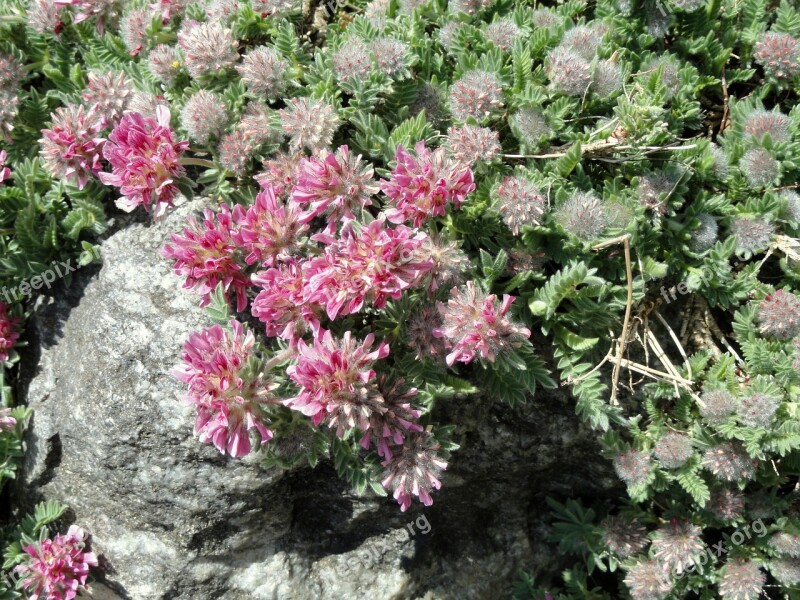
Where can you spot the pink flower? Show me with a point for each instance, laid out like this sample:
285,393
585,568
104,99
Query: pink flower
144,159
7,422
474,325
5,172
204,255
281,303
9,331
422,186
280,172
267,230
102,9
414,469
70,149
332,372
386,417
335,185
57,568
371,265
226,388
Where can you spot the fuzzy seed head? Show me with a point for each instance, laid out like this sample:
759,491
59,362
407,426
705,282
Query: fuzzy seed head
478,94
729,462
111,92
607,78
377,11
419,334
632,467
705,236
529,126
43,16
521,203
309,123
688,5
132,29
721,167
470,144
583,40
447,259
583,215
9,104
204,116
223,10
352,61
676,545
741,580
778,54
544,18
208,47
657,188
256,124
391,56
673,450
70,148
502,33
786,544
409,6
470,7
165,63
568,71
146,104
646,580
727,505
280,172
276,8
263,71
414,470
760,123
235,152
779,315
447,33
757,409
786,571
429,99
759,167
719,405
623,536
752,235
10,72
791,205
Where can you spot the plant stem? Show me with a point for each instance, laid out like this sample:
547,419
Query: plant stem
197,162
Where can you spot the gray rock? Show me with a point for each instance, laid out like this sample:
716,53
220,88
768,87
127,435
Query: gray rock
173,519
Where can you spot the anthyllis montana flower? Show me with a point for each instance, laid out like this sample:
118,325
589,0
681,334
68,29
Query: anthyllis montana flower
632,466
414,469
421,186
778,54
474,324
729,462
624,536
144,159
267,230
331,371
727,505
7,422
9,331
717,406
673,449
70,148
57,568
226,388
478,94
281,303
779,315
646,580
5,171
335,185
520,202
309,123
471,144
209,48
741,580
204,256
677,544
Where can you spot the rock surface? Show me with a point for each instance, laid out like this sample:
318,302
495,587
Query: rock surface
173,519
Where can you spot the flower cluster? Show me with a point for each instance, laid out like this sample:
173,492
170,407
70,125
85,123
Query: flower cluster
144,159
9,331
7,422
57,568
70,148
474,324
421,186
226,388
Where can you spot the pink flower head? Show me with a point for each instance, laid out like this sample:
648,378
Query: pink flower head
475,325
7,422
144,159
280,172
414,469
86,9
281,303
225,388
422,186
5,172
386,416
70,149
331,372
57,568
336,185
9,331
371,265
204,255
267,230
